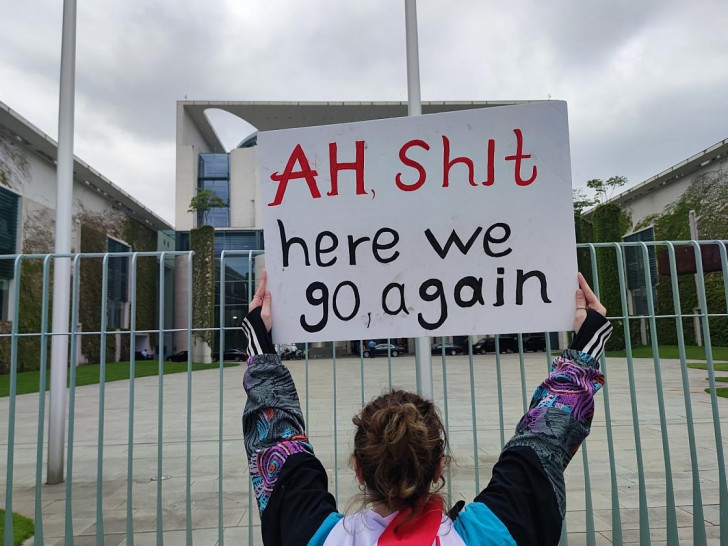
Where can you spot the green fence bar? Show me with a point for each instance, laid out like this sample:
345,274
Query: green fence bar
721,462
522,368
417,366
361,372
499,376
221,352
723,490
446,411
8,538
473,413
102,395
38,523
671,515
616,513
591,538
305,347
188,454
160,406
72,399
336,427
643,514
132,380
250,483
699,536
389,361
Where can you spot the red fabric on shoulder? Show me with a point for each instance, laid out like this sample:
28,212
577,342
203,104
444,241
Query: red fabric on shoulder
421,531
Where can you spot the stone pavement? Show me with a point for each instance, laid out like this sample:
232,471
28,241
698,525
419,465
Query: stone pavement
326,406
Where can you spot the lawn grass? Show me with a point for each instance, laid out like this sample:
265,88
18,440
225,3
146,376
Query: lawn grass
722,392
88,374
23,528
719,367
671,351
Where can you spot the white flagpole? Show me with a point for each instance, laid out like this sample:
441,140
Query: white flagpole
62,266
414,108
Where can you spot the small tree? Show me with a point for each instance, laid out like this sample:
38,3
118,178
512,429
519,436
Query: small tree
605,190
582,201
205,201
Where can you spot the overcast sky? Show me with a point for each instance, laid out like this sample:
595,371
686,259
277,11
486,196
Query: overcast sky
646,81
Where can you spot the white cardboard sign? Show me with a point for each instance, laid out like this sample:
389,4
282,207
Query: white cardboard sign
442,224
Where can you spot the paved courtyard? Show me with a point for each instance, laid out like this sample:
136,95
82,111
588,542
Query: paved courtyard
327,407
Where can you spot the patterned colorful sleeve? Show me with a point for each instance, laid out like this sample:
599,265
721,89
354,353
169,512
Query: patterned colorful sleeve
561,410
273,424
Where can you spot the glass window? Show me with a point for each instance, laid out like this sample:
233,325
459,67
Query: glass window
214,166
237,240
4,299
182,241
237,282
214,175
117,284
218,217
635,269
8,230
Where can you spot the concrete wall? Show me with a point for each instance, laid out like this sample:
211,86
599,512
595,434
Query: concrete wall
243,189
186,187
658,199
190,144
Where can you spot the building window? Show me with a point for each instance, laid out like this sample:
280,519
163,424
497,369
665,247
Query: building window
117,285
8,245
182,241
635,269
239,277
214,175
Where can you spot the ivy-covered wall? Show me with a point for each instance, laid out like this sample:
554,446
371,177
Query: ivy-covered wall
94,234
93,239
708,197
609,223
38,239
202,242
142,239
584,234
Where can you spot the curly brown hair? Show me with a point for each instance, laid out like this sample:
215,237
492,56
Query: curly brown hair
400,449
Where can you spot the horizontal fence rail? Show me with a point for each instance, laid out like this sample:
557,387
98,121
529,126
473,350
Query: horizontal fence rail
155,455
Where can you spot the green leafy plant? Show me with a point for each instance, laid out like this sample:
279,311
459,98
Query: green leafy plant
604,190
205,201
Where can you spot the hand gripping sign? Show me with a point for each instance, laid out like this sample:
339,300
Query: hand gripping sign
443,224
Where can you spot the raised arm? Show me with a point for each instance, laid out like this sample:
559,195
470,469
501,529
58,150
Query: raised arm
526,492
289,482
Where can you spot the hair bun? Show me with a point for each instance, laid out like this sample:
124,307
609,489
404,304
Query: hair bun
400,423
399,446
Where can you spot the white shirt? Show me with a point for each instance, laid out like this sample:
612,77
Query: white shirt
364,529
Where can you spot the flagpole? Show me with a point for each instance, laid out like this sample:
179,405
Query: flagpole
62,266
414,108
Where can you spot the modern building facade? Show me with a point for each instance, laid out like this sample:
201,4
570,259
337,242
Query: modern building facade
105,219
657,193
659,209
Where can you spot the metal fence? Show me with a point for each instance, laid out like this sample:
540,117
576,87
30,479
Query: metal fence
161,458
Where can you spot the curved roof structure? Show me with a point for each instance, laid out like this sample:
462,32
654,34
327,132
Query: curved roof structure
266,116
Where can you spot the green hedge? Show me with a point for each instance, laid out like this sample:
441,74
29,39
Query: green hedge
610,223
202,242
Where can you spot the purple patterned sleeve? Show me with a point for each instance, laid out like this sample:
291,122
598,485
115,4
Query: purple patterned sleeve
562,408
273,425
